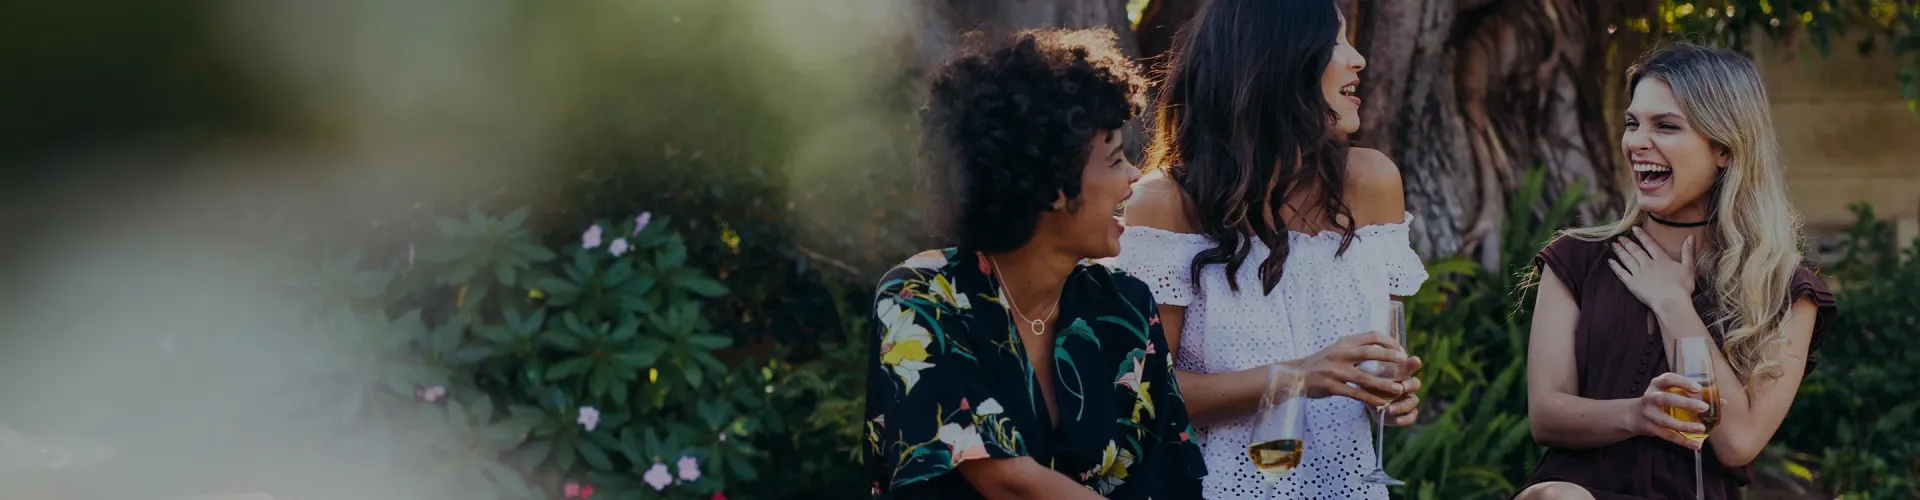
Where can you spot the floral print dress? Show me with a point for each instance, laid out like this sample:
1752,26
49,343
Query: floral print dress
949,381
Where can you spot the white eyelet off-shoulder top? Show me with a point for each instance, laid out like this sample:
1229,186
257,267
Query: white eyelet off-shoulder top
1320,298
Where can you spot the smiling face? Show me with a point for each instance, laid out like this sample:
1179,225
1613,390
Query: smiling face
1087,227
1674,166
1341,81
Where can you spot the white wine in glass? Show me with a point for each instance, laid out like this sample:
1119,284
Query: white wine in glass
1280,429
1693,359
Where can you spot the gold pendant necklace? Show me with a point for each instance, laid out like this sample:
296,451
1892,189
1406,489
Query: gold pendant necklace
1038,326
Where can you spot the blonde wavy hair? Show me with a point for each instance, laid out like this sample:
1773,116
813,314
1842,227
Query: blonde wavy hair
1754,245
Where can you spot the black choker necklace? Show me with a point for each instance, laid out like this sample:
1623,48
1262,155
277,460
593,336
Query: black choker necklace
1665,222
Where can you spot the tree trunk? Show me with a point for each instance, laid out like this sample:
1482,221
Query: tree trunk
1467,95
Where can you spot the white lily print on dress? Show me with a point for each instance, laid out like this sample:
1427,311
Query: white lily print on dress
905,346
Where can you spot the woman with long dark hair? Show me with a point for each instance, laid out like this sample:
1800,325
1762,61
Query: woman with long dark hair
1269,241
1012,365
1710,249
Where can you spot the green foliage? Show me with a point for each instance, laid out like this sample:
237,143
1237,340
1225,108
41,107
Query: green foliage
1894,24
1470,328
1851,425
510,369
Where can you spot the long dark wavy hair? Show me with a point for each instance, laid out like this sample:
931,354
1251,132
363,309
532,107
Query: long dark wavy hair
1241,122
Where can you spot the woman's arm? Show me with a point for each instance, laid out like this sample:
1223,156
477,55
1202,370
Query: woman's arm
1556,415
1218,397
1746,424
1019,478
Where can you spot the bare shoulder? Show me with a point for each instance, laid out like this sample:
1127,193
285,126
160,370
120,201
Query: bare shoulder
1373,188
1158,203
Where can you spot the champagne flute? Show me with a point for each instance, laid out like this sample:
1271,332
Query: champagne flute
1396,328
1693,359
1280,429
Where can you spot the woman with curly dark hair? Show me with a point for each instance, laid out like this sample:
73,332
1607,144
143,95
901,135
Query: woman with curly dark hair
1270,242
1013,365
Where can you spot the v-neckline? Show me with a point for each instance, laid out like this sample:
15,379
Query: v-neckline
1035,393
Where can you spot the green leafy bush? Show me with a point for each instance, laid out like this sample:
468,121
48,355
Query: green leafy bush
518,371
1469,326
1851,427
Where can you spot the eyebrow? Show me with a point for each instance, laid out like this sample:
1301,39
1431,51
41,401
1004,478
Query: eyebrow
1660,115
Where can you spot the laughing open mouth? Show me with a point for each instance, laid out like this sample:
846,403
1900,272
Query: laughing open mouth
1651,175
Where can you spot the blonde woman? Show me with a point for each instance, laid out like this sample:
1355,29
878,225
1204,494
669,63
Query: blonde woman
1710,248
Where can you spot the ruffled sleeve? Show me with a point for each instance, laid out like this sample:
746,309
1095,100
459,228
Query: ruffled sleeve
1390,247
1164,260
1808,285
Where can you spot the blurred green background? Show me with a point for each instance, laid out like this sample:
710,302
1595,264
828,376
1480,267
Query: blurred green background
514,249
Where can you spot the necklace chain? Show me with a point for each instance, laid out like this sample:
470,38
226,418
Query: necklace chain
1037,326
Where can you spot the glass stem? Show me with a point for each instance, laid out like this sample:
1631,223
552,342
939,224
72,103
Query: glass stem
1699,488
1380,458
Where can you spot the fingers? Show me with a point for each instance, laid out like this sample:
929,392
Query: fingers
1374,385
1686,253
1412,366
1339,388
1664,427
1412,385
1404,412
1649,246
1370,338
1373,353
1671,380
1618,270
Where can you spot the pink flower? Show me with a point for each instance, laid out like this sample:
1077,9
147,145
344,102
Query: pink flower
619,246
592,238
657,476
723,437
571,490
689,469
719,496
641,221
430,394
589,417
586,491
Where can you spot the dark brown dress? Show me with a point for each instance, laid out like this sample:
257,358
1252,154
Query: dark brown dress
1617,351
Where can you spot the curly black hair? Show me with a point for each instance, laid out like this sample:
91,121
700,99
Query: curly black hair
1008,123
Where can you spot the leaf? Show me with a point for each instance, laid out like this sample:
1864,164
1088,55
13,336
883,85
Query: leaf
694,377
565,455
1906,44
618,273
569,368
514,218
506,274
745,472
626,331
701,285
471,355
538,452
450,227
595,456
598,381
635,304
710,342
1897,416
563,341
640,358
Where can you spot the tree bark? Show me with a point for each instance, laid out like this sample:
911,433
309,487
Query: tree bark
1468,95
